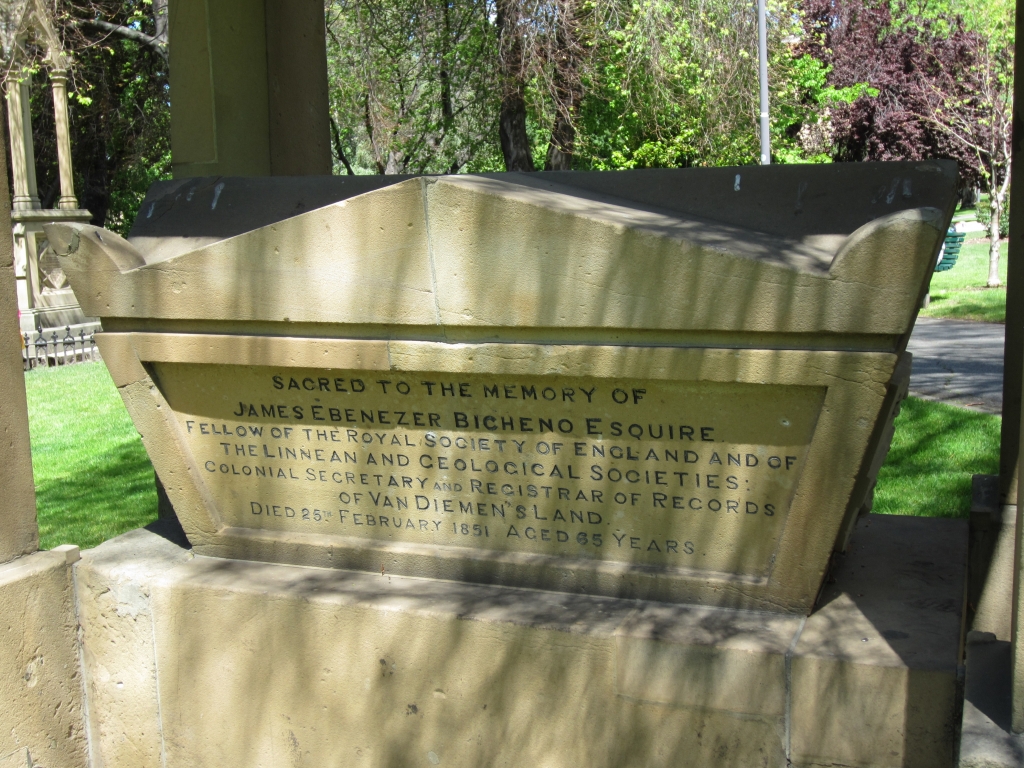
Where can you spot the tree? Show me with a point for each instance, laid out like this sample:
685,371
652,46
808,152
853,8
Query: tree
578,84
545,58
413,78
937,89
568,55
120,110
514,29
676,84
156,42
412,86
118,107
969,101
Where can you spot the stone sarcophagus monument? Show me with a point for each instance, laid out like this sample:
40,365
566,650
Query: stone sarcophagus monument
665,385
572,455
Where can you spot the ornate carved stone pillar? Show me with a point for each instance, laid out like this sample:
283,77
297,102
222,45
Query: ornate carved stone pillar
19,534
59,79
23,156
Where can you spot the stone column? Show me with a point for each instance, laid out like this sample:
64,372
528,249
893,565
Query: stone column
300,126
23,156
19,534
1017,612
248,88
1013,355
59,79
26,195
1010,457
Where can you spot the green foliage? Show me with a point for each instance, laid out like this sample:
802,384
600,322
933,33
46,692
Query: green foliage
665,84
93,478
415,87
128,189
412,86
673,85
846,95
119,112
140,140
992,18
935,450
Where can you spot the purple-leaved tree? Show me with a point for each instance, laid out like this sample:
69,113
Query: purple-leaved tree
938,90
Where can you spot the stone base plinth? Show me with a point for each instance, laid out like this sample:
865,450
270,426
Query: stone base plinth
986,740
205,662
41,710
993,529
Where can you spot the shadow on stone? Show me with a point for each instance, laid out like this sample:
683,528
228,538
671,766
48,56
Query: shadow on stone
986,741
167,524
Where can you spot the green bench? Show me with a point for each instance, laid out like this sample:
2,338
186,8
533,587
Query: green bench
950,250
947,257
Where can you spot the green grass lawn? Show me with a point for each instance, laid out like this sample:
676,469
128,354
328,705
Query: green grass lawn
935,450
960,292
94,480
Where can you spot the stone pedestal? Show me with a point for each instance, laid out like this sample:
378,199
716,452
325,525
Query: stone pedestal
45,299
41,716
206,662
993,534
986,739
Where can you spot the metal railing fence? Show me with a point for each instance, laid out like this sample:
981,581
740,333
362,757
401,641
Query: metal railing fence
48,351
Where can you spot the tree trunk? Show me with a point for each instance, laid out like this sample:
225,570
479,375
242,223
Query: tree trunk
160,21
561,146
515,142
568,88
447,111
339,150
563,134
371,134
993,233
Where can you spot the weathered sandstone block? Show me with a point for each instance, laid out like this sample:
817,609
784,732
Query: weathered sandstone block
668,384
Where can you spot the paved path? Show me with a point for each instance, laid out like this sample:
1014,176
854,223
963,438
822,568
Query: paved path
958,362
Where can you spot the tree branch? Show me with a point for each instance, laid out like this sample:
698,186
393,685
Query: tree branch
338,150
148,41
